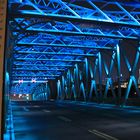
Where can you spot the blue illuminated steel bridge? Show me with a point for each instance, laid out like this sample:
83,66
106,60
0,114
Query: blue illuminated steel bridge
77,46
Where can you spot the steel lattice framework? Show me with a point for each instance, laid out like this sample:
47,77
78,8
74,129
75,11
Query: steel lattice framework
66,40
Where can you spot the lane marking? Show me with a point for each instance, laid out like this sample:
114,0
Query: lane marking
25,109
47,111
103,135
36,106
98,135
64,119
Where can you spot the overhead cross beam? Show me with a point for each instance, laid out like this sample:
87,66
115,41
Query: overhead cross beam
23,69
27,81
54,53
22,75
71,12
46,65
68,28
72,33
62,45
53,60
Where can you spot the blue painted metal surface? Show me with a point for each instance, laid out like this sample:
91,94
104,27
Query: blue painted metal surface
59,40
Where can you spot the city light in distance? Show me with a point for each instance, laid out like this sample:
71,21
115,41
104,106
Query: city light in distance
33,81
20,81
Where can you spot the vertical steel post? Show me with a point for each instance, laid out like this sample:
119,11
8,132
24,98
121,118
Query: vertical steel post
77,86
73,93
86,76
58,89
100,74
47,91
119,73
63,86
69,84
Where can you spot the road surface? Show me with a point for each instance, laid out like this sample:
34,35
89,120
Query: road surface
61,121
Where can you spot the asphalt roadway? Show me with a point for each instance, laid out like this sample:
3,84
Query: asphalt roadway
61,121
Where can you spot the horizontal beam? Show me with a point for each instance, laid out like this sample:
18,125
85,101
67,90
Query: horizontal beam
38,81
57,60
54,53
72,33
27,14
31,77
35,76
65,46
35,72
41,65
20,69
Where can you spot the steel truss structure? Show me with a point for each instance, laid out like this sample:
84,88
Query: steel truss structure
67,41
